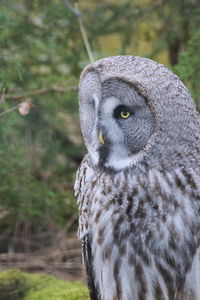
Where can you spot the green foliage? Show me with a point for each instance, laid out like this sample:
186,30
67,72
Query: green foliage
157,29
41,57
13,285
16,285
188,67
40,49
174,23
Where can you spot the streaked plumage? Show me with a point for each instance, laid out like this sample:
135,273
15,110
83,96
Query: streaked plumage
139,193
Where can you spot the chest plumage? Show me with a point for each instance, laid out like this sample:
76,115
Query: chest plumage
143,231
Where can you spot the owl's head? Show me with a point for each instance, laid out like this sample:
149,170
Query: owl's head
132,109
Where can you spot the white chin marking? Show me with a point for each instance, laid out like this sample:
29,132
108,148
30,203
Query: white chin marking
119,164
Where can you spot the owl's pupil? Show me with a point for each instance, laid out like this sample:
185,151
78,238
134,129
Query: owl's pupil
124,114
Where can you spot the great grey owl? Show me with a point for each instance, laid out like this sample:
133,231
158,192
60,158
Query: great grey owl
139,185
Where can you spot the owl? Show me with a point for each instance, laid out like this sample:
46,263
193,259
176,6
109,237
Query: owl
138,187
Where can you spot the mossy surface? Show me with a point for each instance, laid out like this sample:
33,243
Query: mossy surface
13,285
17,285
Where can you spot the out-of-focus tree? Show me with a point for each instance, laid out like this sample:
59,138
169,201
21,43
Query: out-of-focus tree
41,50
178,20
161,25
189,66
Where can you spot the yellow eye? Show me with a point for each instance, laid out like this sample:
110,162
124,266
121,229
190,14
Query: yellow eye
125,114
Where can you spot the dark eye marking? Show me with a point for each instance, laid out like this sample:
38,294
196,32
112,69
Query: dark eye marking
121,111
91,103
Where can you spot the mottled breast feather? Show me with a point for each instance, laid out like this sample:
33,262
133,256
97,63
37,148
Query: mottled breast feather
143,233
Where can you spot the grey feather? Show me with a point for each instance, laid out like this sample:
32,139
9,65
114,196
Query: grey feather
139,193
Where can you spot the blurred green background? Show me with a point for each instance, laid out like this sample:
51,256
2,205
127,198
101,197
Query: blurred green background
41,56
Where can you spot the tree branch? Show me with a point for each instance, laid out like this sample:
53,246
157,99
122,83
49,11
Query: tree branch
78,14
8,110
41,91
2,97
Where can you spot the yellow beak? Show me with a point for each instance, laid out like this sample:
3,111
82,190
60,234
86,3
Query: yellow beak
101,138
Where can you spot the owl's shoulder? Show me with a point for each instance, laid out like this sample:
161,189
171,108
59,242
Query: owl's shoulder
83,176
85,182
